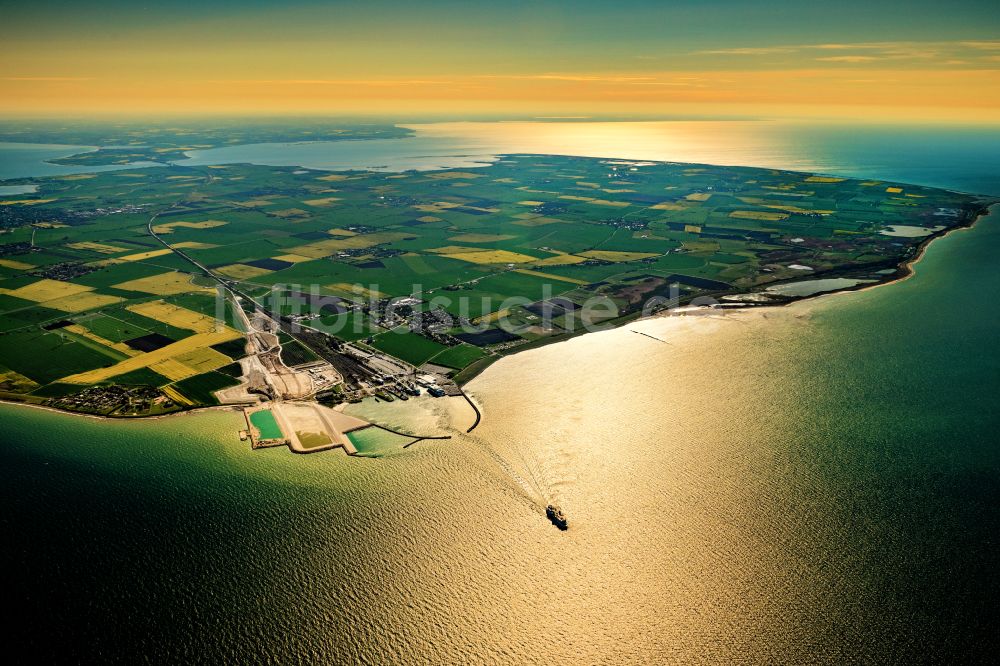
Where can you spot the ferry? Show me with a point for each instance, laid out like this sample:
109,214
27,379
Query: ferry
555,514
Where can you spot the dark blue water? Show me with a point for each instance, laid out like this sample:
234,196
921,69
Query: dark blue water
966,158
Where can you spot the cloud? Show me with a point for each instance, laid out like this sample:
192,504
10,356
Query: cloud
869,51
982,45
568,77
346,82
848,58
683,84
753,50
47,78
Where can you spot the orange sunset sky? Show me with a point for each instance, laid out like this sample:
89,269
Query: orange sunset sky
898,61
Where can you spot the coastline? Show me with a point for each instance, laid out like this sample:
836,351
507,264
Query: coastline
100,417
907,268
904,270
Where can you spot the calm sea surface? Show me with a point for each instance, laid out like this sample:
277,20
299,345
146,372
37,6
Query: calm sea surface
26,160
962,158
801,484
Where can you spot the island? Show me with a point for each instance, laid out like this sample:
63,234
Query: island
148,291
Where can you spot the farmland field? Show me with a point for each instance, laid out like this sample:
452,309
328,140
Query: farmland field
199,389
410,347
89,296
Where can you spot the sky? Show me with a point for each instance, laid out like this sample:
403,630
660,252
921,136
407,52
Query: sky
877,59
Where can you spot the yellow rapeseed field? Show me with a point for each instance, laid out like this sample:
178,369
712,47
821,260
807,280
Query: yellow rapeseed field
190,363
46,290
353,290
242,271
163,360
437,206
560,260
491,317
140,256
16,382
24,202
170,226
175,315
491,257
359,242
16,265
611,204
547,276
767,216
82,301
480,238
164,284
797,209
608,255
64,296
325,201
452,249
293,258
176,395
103,248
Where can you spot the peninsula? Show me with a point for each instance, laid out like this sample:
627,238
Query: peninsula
145,291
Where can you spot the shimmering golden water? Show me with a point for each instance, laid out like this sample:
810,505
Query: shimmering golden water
671,463
816,483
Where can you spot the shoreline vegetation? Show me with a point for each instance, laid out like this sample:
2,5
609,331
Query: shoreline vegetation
905,270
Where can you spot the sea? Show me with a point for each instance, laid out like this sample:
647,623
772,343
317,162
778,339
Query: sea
816,483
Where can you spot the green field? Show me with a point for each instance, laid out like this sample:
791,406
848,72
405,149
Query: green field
458,357
412,348
200,387
112,328
468,244
46,357
142,376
